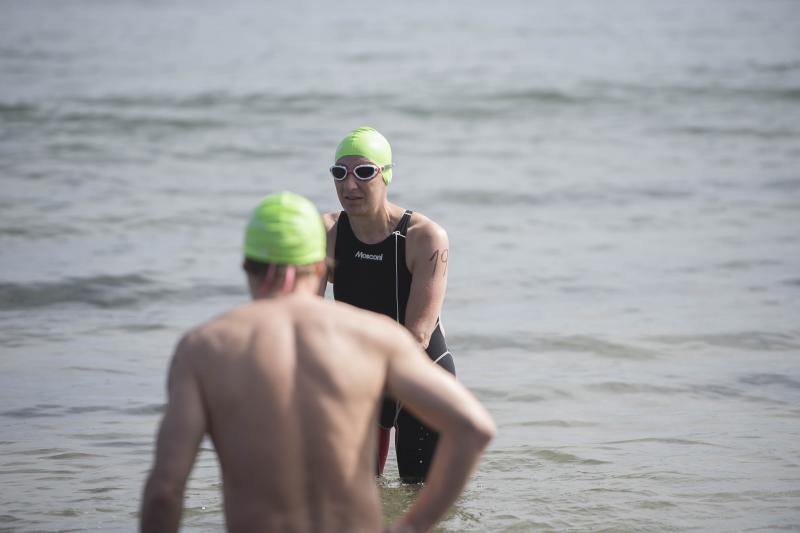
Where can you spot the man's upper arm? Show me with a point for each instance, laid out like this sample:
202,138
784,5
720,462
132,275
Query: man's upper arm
184,423
429,263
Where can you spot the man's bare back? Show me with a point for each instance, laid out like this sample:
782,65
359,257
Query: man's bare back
292,391
288,388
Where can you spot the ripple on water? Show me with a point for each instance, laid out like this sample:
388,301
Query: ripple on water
770,379
100,370
525,397
708,390
686,442
657,475
30,412
105,292
556,423
620,387
750,340
99,490
554,456
102,436
722,391
123,444
526,342
784,185
518,458
486,394
480,198
746,496
39,471
141,328
79,410
747,264
36,451
66,513
49,411
597,346
146,409
101,291
72,455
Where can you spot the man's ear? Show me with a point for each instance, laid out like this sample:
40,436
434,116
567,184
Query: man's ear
321,271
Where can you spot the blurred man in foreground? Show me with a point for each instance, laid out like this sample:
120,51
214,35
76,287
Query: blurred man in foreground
288,387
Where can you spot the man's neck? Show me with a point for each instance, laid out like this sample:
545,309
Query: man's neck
302,288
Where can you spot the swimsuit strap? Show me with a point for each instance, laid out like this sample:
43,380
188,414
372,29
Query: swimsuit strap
402,229
343,220
403,225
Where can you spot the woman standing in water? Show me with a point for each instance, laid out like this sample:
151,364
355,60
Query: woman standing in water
392,261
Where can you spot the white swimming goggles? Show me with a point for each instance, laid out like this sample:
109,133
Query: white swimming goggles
363,172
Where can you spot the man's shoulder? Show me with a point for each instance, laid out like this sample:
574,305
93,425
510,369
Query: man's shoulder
351,312
200,336
213,334
362,321
195,344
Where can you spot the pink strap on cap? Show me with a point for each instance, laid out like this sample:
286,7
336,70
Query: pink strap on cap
288,279
269,278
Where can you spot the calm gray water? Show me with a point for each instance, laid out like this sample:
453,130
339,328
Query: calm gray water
621,185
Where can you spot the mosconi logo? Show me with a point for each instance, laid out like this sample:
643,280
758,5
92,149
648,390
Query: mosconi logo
371,257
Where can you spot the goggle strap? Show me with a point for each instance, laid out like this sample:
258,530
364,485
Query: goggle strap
288,279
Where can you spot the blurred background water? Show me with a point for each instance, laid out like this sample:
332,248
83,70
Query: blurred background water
621,186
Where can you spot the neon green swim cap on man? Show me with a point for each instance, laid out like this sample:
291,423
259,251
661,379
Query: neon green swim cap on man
285,229
367,142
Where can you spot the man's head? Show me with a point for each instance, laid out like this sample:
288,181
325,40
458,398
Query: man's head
284,243
363,155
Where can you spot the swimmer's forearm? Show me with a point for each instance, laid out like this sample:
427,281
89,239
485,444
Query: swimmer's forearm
456,457
420,333
161,509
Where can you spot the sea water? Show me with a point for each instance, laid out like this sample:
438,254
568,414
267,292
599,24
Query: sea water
620,182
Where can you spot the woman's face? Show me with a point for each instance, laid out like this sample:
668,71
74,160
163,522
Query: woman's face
356,196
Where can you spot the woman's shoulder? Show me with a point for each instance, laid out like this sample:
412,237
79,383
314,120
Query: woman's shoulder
424,233
330,219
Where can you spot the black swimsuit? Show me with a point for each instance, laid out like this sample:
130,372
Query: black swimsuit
375,277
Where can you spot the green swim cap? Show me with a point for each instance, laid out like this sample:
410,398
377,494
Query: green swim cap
367,142
285,229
